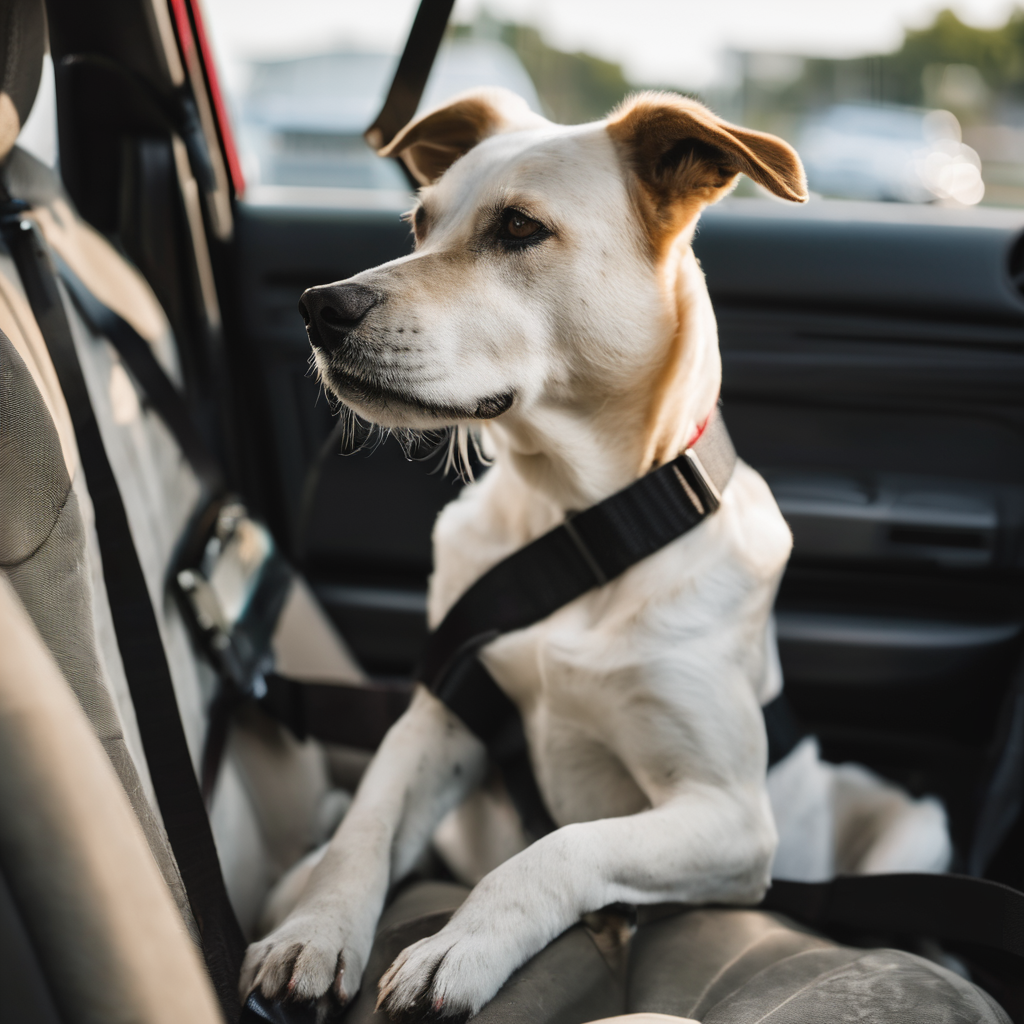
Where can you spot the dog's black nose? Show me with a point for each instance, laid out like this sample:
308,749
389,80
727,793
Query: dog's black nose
332,310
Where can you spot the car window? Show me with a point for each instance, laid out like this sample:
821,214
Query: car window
890,100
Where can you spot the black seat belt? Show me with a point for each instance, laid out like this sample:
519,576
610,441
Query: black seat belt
135,626
162,395
950,908
411,74
154,381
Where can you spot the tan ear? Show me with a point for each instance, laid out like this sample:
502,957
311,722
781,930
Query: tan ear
429,145
684,157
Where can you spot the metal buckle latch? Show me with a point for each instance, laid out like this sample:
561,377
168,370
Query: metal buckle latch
699,488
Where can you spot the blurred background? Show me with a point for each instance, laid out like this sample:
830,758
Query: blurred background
895,100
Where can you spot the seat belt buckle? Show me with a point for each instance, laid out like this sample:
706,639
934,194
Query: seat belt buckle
233,584
699,488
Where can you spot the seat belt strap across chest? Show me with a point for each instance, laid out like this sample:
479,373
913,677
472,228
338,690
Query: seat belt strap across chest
587,551
135,627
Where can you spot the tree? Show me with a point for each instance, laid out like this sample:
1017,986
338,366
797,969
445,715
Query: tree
573,87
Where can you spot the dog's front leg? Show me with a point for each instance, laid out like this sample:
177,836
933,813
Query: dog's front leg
701,845
427,762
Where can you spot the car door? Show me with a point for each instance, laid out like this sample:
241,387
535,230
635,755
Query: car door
873,361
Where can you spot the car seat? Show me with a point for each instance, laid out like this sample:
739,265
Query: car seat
68,831
274,798
88,928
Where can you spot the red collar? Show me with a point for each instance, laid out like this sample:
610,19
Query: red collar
701,427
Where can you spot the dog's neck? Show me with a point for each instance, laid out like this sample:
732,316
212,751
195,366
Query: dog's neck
576,455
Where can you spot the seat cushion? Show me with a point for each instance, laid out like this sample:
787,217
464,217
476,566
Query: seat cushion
742,966
717,966
569,982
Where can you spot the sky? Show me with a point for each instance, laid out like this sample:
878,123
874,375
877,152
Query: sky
668,42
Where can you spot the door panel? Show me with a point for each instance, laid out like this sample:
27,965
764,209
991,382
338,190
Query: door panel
873,368
857,257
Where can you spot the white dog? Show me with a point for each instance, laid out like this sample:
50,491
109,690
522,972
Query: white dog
554,295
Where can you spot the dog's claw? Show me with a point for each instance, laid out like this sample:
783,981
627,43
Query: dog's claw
323,972
426,983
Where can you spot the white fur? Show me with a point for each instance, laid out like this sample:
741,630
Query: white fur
641,700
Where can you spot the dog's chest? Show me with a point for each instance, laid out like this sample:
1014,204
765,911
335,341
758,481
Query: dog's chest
597,731
623,689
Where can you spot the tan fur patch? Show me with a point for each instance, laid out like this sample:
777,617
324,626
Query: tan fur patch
683,157
664,422
685,384
429,145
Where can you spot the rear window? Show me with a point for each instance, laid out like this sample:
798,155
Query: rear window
886,100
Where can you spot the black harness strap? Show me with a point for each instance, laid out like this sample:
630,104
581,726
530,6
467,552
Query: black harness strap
156,385
353,716
951,908
412,73
587,551
135,625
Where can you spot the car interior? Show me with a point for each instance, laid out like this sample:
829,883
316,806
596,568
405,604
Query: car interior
873,373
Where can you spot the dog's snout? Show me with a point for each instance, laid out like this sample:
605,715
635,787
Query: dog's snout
330,311
345,305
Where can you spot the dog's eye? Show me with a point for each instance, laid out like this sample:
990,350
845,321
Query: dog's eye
517,225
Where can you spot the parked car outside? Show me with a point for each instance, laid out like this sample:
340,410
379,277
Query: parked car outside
890,153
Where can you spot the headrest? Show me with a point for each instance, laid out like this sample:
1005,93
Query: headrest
22,48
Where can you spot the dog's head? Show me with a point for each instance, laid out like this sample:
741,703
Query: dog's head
546,273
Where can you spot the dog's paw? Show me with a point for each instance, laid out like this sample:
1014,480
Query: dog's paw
307,959
444,977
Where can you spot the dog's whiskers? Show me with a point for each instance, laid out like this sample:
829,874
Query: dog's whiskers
457,456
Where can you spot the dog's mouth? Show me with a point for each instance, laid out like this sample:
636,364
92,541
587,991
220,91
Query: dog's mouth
369,396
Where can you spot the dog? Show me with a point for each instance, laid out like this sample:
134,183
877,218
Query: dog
553,302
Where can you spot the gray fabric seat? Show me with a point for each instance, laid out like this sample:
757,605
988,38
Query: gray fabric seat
88,931
275,798
717,966
43,555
